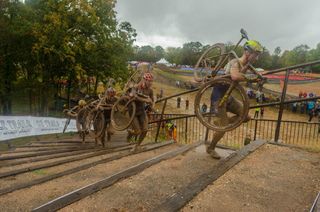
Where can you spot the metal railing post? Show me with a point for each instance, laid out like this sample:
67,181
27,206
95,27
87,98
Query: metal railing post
255,129
283,96
159,123
186,131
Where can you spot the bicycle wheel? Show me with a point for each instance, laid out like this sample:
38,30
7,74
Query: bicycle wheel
95,123
122,113
81,119
211,60
133,79
226,116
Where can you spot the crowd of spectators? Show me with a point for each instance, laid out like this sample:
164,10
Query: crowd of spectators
311,108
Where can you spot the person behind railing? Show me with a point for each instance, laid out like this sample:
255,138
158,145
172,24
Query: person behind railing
294,107
178,101
187,104
161,93
261,112
310,107
169,126
258,96
317,108
237,69
174,135
204,107
256,113
302,107
305,95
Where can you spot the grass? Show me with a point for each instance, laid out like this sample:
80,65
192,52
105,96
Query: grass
168,75
40,172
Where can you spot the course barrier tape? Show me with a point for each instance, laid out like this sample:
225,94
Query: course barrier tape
23,126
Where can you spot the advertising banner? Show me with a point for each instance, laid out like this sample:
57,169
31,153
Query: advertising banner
22,126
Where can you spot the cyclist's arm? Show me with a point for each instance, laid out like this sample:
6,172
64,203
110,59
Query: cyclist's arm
236,75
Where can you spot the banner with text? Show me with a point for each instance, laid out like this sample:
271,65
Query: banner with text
22,126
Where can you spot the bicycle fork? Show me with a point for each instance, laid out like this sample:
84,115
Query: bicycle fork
226,95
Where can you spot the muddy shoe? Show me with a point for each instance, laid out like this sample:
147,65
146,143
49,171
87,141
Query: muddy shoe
136,148
129,137
213,153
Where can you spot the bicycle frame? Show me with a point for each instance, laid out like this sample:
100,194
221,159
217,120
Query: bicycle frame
233,53
243,36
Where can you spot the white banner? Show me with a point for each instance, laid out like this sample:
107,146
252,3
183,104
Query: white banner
22,126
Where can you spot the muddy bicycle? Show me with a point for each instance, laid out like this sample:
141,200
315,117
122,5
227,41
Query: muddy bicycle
208,67
71,114
124,109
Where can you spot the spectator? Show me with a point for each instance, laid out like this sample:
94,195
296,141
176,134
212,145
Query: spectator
187,104
311,114
204,107
257,111
302,107
258,96
305,95
310,94
169,128
317,107
178,83
178,102
294,107
250,93
310,106
174,135
300,94
161,92
261,112
262,98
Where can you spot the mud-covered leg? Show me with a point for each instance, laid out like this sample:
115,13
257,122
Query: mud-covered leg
135,129
221,113
143,126
236,107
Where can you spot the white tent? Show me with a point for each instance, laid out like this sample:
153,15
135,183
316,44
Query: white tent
163,61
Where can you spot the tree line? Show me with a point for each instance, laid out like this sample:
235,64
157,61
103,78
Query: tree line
190,52
48,46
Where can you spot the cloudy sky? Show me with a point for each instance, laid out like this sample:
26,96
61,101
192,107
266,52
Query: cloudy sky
284,23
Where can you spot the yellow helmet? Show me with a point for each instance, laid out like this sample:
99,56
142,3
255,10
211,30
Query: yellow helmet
82,103
253,46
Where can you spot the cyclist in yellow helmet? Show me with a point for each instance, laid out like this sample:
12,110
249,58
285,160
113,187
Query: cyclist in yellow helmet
237,68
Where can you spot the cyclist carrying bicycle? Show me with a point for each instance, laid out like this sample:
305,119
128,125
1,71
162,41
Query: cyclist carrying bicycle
237,68
107,103
139,126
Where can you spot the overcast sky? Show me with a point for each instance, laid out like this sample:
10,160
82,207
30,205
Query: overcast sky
284,23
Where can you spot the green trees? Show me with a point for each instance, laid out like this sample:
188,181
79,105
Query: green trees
49,41
148,53
190,52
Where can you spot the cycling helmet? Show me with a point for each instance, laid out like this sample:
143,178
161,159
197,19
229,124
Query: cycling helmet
148,77
111,91
253,46
82,103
